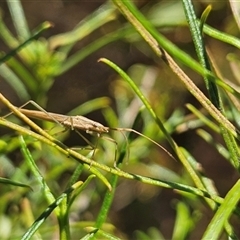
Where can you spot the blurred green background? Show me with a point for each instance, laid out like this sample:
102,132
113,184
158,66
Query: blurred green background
136,206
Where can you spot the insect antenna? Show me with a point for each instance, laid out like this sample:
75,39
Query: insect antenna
144,136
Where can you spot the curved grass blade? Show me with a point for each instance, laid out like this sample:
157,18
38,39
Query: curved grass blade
90,106
108,198
13,80
36,172
235,6
19,19
14,183
78,56
95,233
106,13
223,213
197,37
41,219
36,33
223,37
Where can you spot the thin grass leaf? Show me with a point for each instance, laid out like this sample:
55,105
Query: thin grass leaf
78,189
184,222
195,30
7,37
152,233
141,96
41,219
99,234
14,183
223,37
203,118
176,21
36,33
235,6
204,17
24,76
108,198
14,81
19,19
36,172
64,206
93,21
90,106
78,56
209,139
215,227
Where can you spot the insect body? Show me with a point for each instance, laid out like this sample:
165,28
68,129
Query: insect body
74,122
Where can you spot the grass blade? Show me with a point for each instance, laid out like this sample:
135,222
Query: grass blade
215,227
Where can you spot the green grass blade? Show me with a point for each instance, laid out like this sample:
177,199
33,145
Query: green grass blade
184,222
103,15
19,19
24,76
208,122
223,213
78,56
201,51
141,96
41,219
14,183
13,80
6,35
223,37
209,139
235,6
99,234
36,33
90,106
78,188
108,198
36,172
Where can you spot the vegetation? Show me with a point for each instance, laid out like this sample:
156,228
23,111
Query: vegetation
122,185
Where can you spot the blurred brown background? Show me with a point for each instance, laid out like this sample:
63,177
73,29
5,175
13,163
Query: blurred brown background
90,79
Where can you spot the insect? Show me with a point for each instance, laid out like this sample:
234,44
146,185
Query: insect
73,122
78,123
